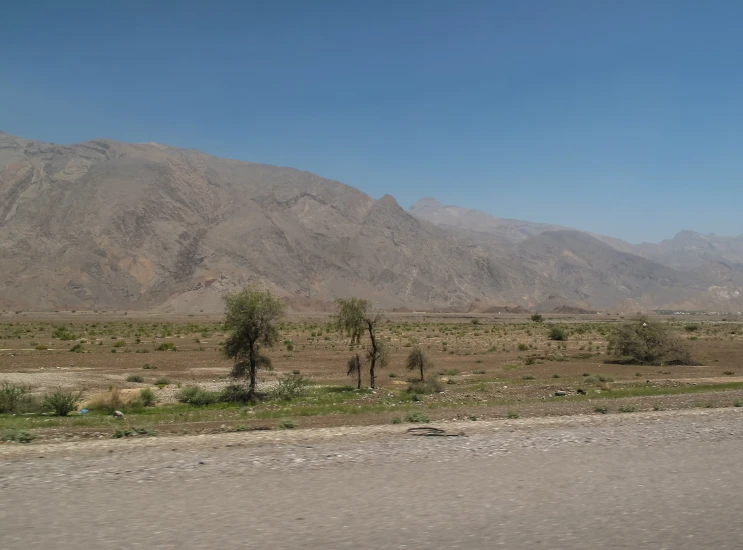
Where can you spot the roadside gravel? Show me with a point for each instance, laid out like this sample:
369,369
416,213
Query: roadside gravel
149,460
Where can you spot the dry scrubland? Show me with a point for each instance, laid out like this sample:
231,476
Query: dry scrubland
486,367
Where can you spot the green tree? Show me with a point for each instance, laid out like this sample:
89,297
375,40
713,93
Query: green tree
418,360
251,316
354,317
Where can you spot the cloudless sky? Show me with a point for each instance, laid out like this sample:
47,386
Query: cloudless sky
623,118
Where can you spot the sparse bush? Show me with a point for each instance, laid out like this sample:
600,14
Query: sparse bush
162,382
396,420
425,387
147,397
147,366
289,387
109,402
527,377
537,318
62,402
41,347
287,424
601,410
530,361
18,436
135,378
645,342
166,346
12,397
558,333
513,414
77,348
627,409
193,395
237,393
417,417
523,347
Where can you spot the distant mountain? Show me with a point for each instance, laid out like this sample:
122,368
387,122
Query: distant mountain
456,217
141,226
105,224
691,271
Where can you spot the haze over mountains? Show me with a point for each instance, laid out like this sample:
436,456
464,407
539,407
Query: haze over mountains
105,224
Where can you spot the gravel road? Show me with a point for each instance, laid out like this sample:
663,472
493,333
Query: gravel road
637,480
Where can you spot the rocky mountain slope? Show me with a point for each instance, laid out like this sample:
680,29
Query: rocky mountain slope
107,224
104,224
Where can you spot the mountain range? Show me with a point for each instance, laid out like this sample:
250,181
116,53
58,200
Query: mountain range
105,224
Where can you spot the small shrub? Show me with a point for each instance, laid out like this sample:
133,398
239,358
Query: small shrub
12,397
193,395
537,318
135,378
601,410
120,344
530,361
166,346
555,375
396,420
558,333
728,373
738,404
147,397
417,417
41,347
426,387
478,372
237,393
17,436
527,377
645,342
162,382
289,387
287,424
512,414
523,347
627,409
62,402
77,348
109,402
147,366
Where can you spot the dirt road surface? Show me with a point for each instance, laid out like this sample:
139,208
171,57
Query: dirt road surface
638,480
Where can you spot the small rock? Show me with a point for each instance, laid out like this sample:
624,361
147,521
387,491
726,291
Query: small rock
560,393
118,414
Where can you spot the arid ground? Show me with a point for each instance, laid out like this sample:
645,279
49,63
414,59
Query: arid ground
487,367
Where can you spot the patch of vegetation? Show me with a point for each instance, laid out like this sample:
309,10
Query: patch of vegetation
417,417
425,387
193,395
62,402
166,346
537,318
13,397
558,333
162,382
17,436
135,378
291,386
147,397
513,415
645,342
77,348
601,409
627,409
147,366
287,424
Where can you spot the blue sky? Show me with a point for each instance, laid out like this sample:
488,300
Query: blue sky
624,118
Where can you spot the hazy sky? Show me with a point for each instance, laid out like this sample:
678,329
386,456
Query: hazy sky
624,118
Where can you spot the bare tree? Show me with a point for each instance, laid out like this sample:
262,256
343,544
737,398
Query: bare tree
354,317
418,360
354,367
251,315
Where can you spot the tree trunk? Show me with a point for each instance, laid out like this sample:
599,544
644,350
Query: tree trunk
422,372
252,368
358,371
372,355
